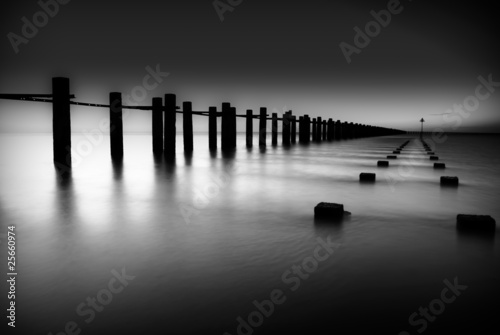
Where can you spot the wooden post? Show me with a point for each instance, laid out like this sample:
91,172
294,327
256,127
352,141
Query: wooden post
262,127
212,128
307,129
116,125
61,124
318,131
285,133
330,130
324,130
233,128
338,130
249,128
345,130
274,129
157,125
314,128
294,129
187,126
301,129
169,119
226,126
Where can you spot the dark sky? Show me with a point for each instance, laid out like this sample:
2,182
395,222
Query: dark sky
276,54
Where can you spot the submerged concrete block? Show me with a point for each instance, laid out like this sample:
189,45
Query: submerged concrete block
484,223
439,166
367,177
449,181
383,163
328,210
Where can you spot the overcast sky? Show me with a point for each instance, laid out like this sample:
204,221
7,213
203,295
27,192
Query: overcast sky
276,54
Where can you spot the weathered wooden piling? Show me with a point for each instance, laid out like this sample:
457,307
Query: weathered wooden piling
383,163
262,127
338,130
212,128
274,129
285,133
356,132
314,129
449,181
157,125
249,124
345,130
61,122
434,158
116,125
330,132
319,125
367,177
293,138
307,129
170,129
392,157
228,127
321,129
328,211
352,130
233,126
301,129
439,166
476,223
187,126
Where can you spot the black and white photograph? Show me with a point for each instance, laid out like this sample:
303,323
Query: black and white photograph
249,167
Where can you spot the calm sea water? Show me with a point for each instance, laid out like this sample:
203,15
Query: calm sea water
207,235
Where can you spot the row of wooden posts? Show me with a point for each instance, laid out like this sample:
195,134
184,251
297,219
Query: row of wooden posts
164,125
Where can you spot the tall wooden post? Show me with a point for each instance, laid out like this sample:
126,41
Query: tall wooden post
314,129
226,126
307,129
116,125
249,128
285,133
338,130
324,130
61,123
212,128
157,125
345,130
301,129
330,130
319,124
169,119
187,126
233,128
294,129
274,129
262,127
422,128
355,130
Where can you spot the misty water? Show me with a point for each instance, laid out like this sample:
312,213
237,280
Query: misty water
206,236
